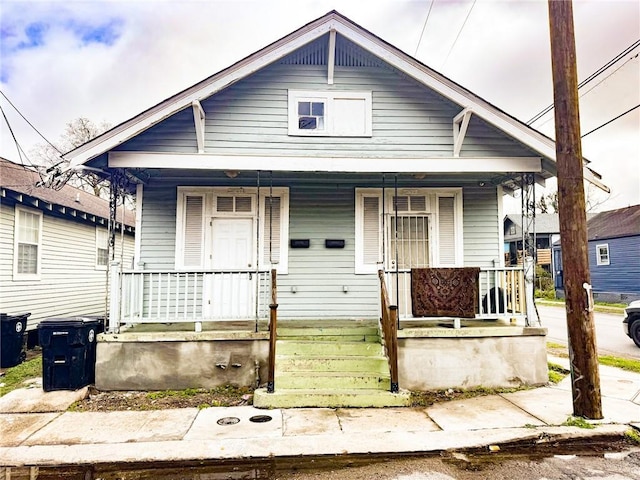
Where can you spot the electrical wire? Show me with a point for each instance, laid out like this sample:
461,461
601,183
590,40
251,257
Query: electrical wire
29,123
459,32
603,68
424,27
15,140
610,121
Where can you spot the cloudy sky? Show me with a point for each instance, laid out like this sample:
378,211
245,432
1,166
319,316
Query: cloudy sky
108,61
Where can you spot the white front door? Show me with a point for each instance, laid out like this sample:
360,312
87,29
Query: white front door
233,250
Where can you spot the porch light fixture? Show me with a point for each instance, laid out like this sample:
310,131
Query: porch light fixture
231,173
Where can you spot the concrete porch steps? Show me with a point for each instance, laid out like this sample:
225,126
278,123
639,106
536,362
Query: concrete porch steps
330,367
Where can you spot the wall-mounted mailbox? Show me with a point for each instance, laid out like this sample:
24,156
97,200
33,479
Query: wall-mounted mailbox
299,243
334,243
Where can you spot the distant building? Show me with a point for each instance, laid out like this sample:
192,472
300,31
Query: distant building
54,247
614,255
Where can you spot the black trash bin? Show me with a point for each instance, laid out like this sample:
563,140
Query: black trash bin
12,339
68,351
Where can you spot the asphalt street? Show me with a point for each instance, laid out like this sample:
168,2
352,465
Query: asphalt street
610,338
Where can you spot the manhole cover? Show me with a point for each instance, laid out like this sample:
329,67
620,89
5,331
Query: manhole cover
228,421
260,419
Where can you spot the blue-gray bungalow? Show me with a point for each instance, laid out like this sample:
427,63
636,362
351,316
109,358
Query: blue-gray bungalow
328,156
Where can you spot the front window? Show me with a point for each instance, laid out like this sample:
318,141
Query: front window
28,237
602,254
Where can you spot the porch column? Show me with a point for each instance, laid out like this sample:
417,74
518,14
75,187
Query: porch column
529,271
114,297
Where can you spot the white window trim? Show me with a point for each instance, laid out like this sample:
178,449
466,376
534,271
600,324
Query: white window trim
328,97
433,194
209,194
599,260
98,230
26,276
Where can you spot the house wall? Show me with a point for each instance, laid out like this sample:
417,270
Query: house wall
70,284
620,277
318,211
250,118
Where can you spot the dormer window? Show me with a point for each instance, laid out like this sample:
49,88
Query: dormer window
310,115
330,113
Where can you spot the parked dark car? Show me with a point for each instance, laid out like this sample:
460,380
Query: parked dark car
631,322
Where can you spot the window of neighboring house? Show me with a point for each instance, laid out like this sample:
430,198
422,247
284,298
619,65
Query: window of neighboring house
331,113
28,241
102,247
602,254
512,230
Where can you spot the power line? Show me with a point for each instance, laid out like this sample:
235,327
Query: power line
29,123
424,27
627,50
612,120
459,32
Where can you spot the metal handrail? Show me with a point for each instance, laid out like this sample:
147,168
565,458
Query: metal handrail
273,333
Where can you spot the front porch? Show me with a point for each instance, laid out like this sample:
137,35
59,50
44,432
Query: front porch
174,346
431,355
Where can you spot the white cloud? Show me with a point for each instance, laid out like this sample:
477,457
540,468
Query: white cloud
160,48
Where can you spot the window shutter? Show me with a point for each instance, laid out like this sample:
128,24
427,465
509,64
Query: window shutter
193,231
271,230
447,234
371,230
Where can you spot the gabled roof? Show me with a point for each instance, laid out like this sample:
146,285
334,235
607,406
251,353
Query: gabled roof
545,222
623,222
331,22
21,184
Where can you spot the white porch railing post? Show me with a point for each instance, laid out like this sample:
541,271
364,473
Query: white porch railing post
114,297
529,278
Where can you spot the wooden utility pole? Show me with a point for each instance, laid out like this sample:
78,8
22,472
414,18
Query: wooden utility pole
585,377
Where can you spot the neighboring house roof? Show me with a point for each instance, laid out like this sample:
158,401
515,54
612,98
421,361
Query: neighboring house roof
22,184
331,22
623,222
545,222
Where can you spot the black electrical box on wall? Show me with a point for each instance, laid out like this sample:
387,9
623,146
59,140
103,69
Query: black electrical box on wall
334,243
299,243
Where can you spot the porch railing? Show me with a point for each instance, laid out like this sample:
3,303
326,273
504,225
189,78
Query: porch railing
170,296
389,328
273,333
501,292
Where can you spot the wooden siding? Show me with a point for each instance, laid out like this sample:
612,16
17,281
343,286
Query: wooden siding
320,210
623,271
481,227
70,284
250,118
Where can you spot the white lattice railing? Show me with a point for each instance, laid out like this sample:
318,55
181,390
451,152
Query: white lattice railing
170,296
501,292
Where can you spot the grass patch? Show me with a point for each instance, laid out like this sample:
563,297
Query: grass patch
622,363
186,393
14,377
632,435
557,372
578,422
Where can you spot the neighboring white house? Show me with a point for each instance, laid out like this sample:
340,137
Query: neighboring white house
54,252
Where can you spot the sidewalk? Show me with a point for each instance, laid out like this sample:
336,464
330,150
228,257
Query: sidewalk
35,429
